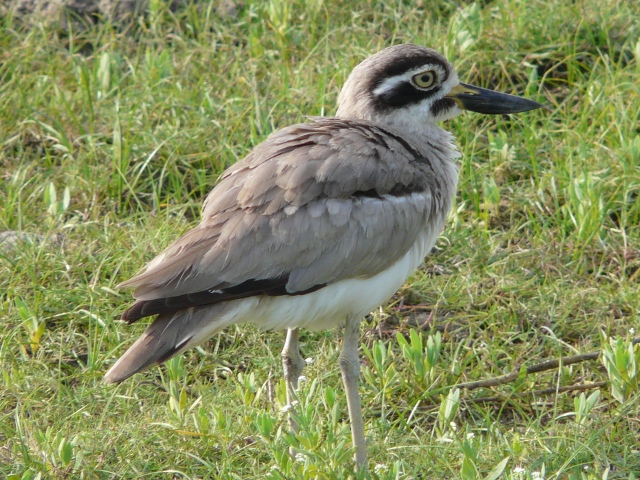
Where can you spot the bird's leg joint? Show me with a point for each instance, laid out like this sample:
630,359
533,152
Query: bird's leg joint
292,361
350,363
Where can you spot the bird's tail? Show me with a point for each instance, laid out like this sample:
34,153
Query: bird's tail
170,334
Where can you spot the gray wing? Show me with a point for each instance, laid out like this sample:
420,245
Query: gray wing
314,204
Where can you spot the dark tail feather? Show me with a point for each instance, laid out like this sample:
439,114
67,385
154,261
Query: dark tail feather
169,334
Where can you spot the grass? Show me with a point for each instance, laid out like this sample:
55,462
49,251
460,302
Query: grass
112,135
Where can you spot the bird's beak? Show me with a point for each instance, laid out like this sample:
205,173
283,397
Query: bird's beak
482,100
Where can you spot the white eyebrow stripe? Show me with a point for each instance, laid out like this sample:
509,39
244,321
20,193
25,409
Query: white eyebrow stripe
389,84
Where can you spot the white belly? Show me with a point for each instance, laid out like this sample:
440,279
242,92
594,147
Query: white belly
323,309
332,305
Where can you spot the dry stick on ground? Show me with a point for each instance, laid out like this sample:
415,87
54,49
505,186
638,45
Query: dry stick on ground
539,367
539,393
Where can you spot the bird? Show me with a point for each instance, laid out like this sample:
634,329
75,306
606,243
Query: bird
318,225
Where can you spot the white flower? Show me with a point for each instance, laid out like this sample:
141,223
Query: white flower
519,470
302,378
380,467
288,407
537,476
471,436
632,331
308,360
300,457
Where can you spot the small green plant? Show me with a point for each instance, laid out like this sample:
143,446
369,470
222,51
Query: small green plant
382,374
320,447
584,405
470,448
491,194
449,406
279,18
496,472
56,208
585,206
176,387
423,359
469,470
265,424
58,450
247,388
501,151
621,358
466,27
32,323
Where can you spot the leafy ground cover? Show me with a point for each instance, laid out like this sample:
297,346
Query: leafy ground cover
110,137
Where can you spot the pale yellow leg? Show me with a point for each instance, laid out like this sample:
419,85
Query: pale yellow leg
350,367
292,363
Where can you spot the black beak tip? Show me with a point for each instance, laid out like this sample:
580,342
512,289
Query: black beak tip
529,104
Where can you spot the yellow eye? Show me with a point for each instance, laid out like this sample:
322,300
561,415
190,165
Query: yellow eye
424,79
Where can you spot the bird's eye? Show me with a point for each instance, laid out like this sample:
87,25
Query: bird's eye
424,79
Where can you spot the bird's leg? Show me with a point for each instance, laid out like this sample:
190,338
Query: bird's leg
350,367
292,363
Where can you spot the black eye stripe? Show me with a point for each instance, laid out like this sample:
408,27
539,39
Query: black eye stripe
403,94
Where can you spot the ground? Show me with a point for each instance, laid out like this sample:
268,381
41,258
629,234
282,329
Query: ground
112,134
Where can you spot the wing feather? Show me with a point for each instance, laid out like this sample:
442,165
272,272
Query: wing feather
314,204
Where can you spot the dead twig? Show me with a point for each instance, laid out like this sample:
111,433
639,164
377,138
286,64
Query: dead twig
539,393
538,367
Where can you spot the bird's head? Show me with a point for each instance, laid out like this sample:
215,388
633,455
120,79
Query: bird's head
409,84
